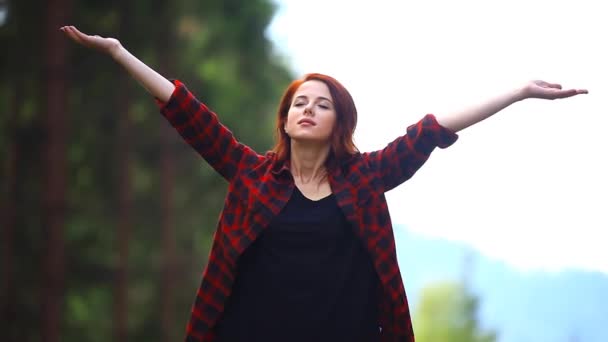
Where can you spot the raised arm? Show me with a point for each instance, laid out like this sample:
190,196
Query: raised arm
157,85
460,120
400,159
194,121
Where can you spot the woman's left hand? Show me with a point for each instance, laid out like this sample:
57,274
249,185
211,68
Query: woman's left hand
549,91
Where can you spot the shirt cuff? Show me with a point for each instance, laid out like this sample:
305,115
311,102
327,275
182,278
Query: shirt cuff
442,137
179,94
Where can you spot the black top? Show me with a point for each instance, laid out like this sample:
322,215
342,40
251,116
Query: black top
307,277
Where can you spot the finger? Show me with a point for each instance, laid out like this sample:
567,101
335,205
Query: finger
73,35
65,30
567,93
572,92
79,36
554,85
69,33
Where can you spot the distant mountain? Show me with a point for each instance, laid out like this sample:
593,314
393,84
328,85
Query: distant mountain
565,306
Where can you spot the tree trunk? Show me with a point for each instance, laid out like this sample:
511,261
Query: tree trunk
166,184
123,228
54,192
167,235
8,217
125,188
125,191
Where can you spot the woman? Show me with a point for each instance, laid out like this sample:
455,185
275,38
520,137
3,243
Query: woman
304,249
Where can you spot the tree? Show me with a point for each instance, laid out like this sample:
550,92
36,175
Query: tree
8,217
108,268
164,38
447,313
56,168
125,188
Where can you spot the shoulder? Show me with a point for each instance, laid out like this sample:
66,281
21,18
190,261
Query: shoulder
257,166
354,168
356,162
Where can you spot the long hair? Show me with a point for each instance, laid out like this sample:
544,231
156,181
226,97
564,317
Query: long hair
342,145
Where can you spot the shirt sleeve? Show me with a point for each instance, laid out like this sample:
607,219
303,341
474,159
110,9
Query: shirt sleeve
201,129
401,158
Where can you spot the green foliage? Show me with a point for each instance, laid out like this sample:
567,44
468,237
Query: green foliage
219,50
447,312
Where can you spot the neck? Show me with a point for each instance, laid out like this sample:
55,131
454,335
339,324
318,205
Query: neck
308,161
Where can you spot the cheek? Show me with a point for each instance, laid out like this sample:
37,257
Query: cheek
290,115
287,119
331,122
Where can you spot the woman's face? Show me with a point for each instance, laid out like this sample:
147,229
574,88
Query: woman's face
312,115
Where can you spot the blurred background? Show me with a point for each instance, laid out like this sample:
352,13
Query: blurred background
107,216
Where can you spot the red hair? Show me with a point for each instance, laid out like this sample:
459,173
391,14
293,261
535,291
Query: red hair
342,145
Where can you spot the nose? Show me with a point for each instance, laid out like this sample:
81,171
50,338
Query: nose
308,110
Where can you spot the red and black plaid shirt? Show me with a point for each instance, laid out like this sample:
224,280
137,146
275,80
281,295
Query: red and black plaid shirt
259,187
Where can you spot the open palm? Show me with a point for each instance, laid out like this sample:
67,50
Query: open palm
550,91
107,45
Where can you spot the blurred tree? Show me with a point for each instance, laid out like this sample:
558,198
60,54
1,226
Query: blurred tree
118,260
447,312
21,122
124,185
164,39
8,210
55,164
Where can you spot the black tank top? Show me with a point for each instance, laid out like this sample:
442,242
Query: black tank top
307,277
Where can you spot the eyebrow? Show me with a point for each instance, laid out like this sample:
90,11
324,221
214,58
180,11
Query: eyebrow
320,97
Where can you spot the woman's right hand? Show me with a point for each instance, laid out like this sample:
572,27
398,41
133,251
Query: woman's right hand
106,45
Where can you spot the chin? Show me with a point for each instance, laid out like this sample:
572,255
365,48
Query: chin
309,139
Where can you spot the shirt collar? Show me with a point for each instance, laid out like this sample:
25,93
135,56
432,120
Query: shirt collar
281,168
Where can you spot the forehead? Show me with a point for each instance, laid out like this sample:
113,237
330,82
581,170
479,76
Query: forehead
313,89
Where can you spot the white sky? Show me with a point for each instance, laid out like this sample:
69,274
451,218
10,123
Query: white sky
528,186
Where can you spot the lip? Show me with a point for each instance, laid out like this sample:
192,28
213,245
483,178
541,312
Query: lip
307,121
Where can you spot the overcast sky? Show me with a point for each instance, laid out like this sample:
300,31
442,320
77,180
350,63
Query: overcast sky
528,186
